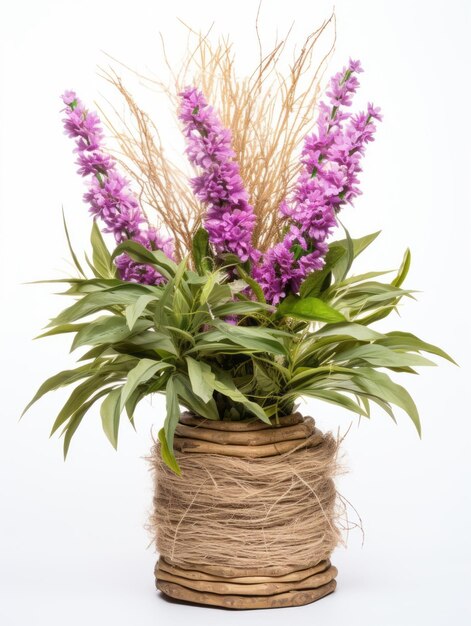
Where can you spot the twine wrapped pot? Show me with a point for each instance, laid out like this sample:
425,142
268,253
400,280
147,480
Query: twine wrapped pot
251,521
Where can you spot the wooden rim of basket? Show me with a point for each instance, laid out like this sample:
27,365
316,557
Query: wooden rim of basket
195,435
237,575
279,600
246,425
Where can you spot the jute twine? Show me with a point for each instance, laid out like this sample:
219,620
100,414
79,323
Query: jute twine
231,514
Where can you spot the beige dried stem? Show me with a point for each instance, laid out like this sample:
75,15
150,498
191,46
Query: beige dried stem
269,113
163,185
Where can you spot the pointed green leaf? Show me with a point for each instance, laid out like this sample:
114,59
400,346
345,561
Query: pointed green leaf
309,309
110,413
352,247
257,290
403,270
381,386
80,395
76,419
61,329
225,385
333,397
140,254
192,402
408,341
202,378
173,412
71,250
135,310
66,377
99,301
380,356
355,331
241,307
167,453
107,329
201,251
254,338
101,256
143,372
312,285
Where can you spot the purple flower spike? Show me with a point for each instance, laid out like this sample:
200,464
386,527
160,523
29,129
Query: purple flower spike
230,218
331,157
109,194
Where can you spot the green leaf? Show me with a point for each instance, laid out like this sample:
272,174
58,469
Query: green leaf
202,378
305,376
140,254
347,260
361,243
208,286
381,386
201,252
135,250
333,397
101,300
66,377
257,290
191,401
76,419
408,341
61,329
135,310
163,307
132,403
72,253
220,293
167,454
380,356
168,267
173,412
110,413
265,379
403,270
254,338
151,341
225,385
101,256
143,372
351,330
95,352
312,285
353,248
396,282
72,426
80,395
107,329
308,309
351,280
241,307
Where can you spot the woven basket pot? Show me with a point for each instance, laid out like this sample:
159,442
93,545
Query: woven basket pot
251,521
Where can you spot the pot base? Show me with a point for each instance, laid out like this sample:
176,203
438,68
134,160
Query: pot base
295,588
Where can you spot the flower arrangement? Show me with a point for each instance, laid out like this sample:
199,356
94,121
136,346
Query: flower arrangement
221,321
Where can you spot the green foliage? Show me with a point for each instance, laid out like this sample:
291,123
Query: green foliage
309,308
181,340
202,252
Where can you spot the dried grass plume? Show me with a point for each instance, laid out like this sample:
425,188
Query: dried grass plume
269,112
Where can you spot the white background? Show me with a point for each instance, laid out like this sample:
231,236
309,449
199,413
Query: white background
73,548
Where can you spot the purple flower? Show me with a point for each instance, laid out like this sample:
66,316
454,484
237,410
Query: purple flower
331,158
230,218
95,162
109,194
111,199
